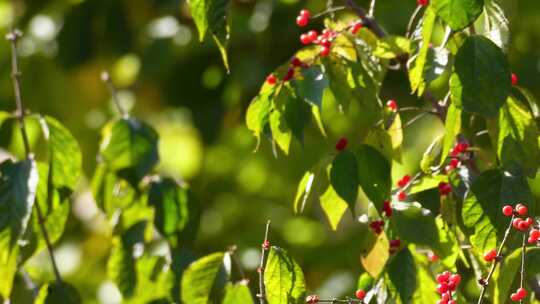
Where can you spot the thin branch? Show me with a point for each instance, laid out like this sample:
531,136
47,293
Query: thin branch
329,11
522,270
12,37
106,78
368,21
411,21
264,250
371,12
349,301
485,282
447,34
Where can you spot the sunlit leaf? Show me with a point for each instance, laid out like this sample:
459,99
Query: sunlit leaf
283,279
199,278
458,14
58,292
418,61
237,293
375,256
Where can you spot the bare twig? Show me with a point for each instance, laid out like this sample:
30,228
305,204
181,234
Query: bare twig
485,282
330,10
371,12
264,250
106,78
12,37
411,21
522,270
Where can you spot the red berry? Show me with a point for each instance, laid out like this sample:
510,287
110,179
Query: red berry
452,302
514,79
454,162
342,144
444,188
402,195
445,297
312,35
289,75
271,79
442,288
404,181
304,38
302,21
508,210
266,245
514,297
462,147
443,277
521,209
392,105
395,243
455,278
325,50
356,26
523,225
516,222
387,208
295,62
422,2
305,13
490,255
535,234
522,293
360,294
312,299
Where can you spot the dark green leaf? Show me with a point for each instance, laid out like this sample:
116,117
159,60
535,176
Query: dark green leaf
402,273
311,85
176,214
258,112
283,279
344,177
518,137
453,127
374,174
481,79
58,292
129,146
458,13
18,186
199,278
121,267
112,192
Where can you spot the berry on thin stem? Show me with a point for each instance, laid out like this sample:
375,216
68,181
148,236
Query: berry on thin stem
360,294
521,209
508,210
402,195
392,105
422,2
271,79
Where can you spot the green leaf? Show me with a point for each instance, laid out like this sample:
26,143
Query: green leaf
390,47
112,192
154,281
58,292
344,177
518,137
18,186
497,26
453,127
258,112
129,146
283,279
121,267
402,273
281,133
199,278
311,84
481,79
237,293
176,214
427,182
334,206
65,157
211,16
8,267
294,114
312,182
504,276
458,14
426,286
447,247
418,61
375,255
374,174
430,155
409,218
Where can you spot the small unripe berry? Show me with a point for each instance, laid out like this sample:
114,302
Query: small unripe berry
521,209
271,79
515,79
392,105
360,294
508,210
342,144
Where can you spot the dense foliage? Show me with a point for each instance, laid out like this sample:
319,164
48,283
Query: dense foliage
460,227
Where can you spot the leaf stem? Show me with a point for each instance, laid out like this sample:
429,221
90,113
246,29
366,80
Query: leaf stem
264,255
12,37
106,78
485,282
522,270
371,12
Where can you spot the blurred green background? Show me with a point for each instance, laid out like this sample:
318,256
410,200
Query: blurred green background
171,80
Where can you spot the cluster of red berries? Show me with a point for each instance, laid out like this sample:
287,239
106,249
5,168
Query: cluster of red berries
448,283
324,40
391,105
458,149
394,246
519,295
422,2
404,181
444,188
453,164
295,63
518,222
341,144
303,18
266,245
